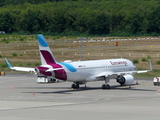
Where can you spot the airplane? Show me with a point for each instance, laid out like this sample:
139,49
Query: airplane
81,72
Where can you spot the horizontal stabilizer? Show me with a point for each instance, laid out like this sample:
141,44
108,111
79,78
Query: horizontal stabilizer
53,69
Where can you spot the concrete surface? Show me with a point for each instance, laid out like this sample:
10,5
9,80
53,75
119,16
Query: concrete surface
21,98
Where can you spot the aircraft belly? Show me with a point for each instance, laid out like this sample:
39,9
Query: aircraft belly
77,76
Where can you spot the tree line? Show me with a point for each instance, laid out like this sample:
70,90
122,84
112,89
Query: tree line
80,17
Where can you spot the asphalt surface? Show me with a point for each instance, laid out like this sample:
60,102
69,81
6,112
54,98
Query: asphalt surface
21,98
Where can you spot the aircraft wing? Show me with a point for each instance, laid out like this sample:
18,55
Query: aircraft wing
143,71
112,74
115,74
26,69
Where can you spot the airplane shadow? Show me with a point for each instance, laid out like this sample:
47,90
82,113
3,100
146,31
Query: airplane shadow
68,90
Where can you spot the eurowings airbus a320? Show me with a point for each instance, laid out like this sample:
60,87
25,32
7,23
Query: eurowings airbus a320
81,72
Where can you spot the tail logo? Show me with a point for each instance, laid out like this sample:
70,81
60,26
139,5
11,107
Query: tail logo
42,41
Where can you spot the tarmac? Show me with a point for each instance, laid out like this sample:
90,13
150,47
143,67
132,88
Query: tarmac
22,98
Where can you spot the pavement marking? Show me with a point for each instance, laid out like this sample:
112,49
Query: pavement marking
14,105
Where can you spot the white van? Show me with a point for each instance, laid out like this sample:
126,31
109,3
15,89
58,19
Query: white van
156,81
45,79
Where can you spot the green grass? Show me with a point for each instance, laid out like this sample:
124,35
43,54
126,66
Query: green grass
148,75
31,59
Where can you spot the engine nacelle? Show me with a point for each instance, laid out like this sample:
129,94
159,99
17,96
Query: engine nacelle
125,79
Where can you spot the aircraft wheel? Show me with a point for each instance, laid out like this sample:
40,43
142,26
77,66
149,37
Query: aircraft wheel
73,86
77,86
103,86
107,86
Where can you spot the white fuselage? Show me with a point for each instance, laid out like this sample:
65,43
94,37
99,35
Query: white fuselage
85,69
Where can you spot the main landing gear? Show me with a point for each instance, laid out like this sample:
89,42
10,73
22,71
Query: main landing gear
75,85
106,85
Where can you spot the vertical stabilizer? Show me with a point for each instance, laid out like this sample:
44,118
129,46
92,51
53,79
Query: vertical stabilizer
45,52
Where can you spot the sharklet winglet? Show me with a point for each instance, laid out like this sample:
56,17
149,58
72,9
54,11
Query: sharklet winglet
9,65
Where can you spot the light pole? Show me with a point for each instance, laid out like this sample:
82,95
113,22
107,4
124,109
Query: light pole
81,38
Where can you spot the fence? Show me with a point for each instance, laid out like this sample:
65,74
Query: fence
29,51
115,42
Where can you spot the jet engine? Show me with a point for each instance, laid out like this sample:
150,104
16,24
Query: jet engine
125,79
